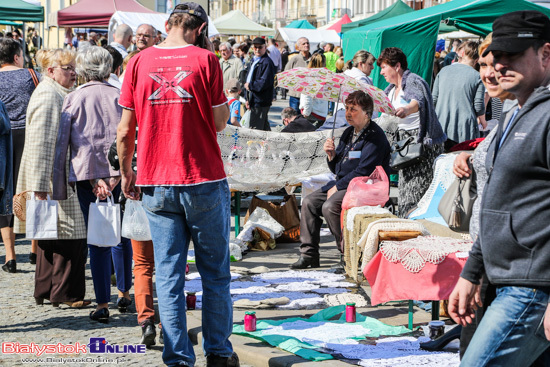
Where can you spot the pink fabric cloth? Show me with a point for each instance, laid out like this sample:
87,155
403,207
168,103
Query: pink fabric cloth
392,282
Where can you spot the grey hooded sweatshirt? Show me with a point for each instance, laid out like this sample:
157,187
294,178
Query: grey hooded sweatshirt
513,246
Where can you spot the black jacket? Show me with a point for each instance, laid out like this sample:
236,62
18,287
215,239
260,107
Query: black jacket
513,246
260,93
375,151
299,125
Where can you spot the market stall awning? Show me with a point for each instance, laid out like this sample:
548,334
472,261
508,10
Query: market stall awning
20,10
236,23
96,13
338,25
301,24
315,36
398,8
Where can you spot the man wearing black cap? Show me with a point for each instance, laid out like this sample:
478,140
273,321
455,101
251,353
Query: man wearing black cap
259,86
174,90
513,246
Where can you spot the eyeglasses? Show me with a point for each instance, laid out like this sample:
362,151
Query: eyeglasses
139,35
67,68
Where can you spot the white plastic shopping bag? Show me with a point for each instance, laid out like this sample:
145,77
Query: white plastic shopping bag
41,223
104,223
135,224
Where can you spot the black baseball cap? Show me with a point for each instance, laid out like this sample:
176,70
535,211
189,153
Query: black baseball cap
191,8
258,41
517,31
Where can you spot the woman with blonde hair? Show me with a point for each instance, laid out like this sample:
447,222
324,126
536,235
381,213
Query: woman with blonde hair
314,109
361,66
89,120
60,263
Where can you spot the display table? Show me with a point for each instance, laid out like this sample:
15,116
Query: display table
391,281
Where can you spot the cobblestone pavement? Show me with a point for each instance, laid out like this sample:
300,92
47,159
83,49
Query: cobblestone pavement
23,322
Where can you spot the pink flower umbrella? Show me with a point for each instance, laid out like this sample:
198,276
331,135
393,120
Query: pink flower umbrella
324,84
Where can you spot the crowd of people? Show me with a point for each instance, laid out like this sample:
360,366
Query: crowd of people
79,145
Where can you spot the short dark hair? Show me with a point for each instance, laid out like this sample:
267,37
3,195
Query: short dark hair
8,49
288,112
117,57
184,20
392,56
361,99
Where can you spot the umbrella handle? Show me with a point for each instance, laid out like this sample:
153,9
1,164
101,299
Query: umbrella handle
335,113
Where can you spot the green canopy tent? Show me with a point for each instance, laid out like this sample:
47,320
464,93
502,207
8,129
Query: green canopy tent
398,8
416,32
21,10
301,24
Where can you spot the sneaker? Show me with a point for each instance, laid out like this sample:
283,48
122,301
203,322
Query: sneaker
217,361
148,334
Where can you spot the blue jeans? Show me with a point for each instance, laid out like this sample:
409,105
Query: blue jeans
178,214
100,257
294,103
511,332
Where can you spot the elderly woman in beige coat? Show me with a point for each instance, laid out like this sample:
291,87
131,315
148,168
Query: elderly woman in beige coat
60,263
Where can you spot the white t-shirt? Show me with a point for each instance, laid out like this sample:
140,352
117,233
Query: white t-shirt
410,122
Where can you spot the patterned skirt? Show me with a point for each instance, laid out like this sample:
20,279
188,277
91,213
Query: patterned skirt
415,180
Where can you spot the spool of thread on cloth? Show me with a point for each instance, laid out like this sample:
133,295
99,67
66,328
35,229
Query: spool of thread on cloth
250,321
191,300
350,312
437,329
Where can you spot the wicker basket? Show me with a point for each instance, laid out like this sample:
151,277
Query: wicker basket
20,205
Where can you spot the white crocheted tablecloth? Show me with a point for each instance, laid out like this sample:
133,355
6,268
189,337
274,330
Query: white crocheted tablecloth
414,253
369,210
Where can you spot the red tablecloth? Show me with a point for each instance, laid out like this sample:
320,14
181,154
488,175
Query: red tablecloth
392,282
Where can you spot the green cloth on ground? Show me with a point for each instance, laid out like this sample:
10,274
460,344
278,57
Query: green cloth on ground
308,351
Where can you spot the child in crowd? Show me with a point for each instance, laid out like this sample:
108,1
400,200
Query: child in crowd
232,92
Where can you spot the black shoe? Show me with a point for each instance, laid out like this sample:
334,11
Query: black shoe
122,304
101,315
10,267
161,336
148,334
217,361
339,268
305,262
440,343
32,258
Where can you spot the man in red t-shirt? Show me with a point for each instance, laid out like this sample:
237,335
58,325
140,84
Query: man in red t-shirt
174,92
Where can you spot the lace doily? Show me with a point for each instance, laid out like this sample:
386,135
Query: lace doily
369,240
263,161
414,253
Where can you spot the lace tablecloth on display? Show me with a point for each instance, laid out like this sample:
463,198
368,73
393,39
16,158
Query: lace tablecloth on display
264,161
414,253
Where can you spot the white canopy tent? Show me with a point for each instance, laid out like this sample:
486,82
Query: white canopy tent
157,20
315,36
236,23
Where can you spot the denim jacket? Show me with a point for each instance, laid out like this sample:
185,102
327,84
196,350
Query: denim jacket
6,163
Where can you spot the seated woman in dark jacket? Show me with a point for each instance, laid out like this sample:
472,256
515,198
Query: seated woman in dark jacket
362,147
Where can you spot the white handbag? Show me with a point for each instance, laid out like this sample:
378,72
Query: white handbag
104,223
135,224
41,223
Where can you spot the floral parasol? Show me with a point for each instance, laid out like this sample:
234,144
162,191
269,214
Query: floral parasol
324,84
